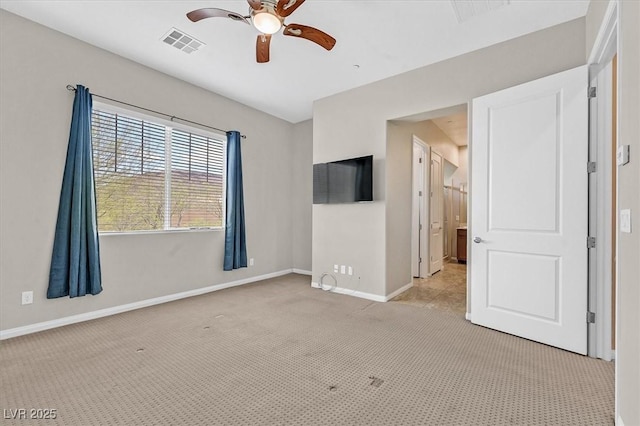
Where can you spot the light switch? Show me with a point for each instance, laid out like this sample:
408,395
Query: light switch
625,221
343,269
622,156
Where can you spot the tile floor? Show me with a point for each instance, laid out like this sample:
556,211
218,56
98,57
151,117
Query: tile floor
446,290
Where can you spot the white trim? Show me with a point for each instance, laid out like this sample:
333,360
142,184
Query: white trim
420,208
600,211
613,355
603,41
301,271
607,40
348,292
467,316
399,291
46,325
363,295
469,262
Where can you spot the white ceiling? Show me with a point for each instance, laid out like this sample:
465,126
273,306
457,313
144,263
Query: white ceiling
454,126
384,38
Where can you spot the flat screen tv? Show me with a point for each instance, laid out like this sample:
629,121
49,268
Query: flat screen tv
344,181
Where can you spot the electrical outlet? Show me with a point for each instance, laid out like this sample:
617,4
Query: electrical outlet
335,268
27,297
251,262
343,269
350,270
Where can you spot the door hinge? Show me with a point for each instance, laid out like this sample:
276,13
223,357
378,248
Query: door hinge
592,92
591,242
419,193
591,317
420,160
420,227
591,167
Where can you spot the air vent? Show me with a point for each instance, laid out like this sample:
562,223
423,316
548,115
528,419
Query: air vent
182,41
467,9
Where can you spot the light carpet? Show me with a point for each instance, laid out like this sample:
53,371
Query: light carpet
278,352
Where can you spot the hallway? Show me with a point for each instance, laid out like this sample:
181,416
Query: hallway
445,290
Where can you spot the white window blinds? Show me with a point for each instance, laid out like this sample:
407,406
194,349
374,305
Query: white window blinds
153,177
196,180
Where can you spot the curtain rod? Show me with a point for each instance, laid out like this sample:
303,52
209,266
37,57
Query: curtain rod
171,117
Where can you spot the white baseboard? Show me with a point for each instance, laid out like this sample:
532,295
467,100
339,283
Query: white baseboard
467,316
301,271
613,354
399,291
46,325
349,292
368,296
619,422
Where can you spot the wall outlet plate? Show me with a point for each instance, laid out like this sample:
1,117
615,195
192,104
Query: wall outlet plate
251,262
27,297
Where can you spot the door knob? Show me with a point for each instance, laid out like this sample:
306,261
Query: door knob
477,240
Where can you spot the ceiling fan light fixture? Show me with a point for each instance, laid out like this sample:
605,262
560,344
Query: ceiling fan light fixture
266,22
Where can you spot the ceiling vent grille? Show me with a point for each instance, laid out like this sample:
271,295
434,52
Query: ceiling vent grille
182,41
467,9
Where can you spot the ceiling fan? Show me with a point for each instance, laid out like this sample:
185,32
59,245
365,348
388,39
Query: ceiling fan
267,16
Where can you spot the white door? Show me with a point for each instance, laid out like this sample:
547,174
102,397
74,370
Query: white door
418,222
529,210
436,228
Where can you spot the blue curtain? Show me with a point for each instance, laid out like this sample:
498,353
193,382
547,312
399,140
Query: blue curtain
75,263
235,246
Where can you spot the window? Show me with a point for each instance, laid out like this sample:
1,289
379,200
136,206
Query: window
153,176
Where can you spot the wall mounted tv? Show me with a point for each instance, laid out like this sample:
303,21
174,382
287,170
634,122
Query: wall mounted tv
345,181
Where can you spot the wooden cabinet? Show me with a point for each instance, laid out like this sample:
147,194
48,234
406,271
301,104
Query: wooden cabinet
462,245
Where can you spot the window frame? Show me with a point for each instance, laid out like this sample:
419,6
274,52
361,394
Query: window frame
169,126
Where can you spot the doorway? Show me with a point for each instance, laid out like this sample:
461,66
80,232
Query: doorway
439,210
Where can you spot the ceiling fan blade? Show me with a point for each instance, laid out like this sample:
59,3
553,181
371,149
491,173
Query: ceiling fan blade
262,48
213,12
312,34
255,4
285,8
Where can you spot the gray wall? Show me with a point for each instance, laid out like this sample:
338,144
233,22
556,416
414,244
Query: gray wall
350,234
354,123
302,188
36,64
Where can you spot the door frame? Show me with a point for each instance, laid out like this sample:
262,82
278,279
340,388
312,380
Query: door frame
467,314
423,236
600,210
